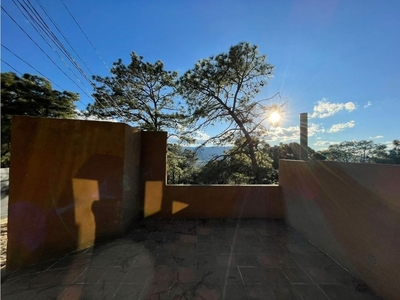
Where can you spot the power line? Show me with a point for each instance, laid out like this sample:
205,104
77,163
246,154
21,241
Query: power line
76,22
97,52
23,74
58,29
43,50
10,66
29,65
40,23
39,29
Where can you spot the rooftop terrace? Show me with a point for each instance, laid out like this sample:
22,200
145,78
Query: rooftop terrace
90,216
193,259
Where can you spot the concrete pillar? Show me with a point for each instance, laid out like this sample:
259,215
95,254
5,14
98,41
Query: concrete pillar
303,136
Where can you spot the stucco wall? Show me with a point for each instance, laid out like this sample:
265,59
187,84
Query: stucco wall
222,201
71,184
351,211
200,201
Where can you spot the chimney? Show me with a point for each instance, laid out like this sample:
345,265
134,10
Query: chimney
303,136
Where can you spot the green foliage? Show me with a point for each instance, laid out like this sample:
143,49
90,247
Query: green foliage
30,95
288,151
235,166
141,94
361,151
393,156
181,165
222,88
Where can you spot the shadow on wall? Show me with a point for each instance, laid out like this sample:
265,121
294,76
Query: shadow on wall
87,211
352,212
66,194
199,201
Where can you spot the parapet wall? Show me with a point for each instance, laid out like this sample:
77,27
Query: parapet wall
352,212
200,201
72,183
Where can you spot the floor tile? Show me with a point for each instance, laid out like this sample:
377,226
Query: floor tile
138,275
251,275
285,292
162,275
186,275
114,275
336,292
90,275
234,292
246,260
193,259
320,275
342,276
259,291
268,260
206,260
362,292
296,275
205,292
231,276
129,291
275,276
310,292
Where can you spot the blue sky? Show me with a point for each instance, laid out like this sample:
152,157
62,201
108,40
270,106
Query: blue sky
336,60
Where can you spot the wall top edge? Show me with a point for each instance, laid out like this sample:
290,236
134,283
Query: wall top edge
337,163
223,185
136,129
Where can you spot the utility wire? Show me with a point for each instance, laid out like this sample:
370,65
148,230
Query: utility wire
58,29
39,29
29,65
42,25
43,30
90,42
43,51
76,22
38,71
10,66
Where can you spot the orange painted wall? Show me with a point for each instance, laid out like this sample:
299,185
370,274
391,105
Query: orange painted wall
222,201
71,184
351,211
200,201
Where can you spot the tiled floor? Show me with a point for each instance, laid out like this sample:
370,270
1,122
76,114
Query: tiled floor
193,259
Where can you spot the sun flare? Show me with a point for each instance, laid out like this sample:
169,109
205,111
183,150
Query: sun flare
275,117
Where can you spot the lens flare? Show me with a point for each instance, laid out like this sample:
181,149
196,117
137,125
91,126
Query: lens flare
275,117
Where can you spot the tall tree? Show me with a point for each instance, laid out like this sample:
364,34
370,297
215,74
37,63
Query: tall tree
30,95
141,94
234,166
289,151
355,151
222,88
393,156
181,165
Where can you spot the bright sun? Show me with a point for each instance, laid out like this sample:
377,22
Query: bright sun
274,117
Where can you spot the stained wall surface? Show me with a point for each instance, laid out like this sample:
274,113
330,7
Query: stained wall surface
223,201
352,212
200,201
72,183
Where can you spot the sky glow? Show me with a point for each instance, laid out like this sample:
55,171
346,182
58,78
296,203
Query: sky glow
336,60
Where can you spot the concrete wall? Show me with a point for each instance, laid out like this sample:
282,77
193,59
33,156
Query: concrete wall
4,191
351,211
72,183
222,201
200,201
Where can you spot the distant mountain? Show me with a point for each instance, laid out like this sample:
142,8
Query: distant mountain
206,153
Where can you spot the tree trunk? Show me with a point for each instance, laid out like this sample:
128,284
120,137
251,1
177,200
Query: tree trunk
254,163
